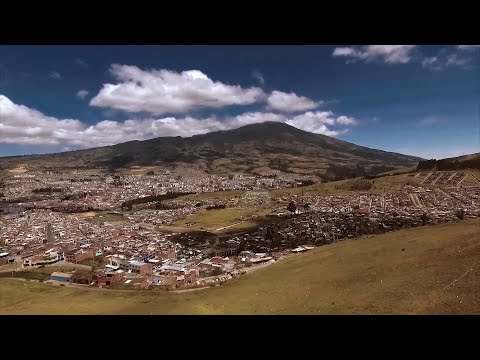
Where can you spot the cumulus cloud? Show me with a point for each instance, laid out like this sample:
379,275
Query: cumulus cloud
22,125
54,75
257,75
316,122
290,102
346,120
390,54
162,91
82,94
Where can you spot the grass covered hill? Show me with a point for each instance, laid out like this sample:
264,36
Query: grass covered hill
428,270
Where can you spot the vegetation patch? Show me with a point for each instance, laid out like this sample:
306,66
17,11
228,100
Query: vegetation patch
355,185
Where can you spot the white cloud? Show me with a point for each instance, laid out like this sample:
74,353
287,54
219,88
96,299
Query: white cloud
344,51
316,122
403,54
163,91
445,59
82,63
290,102
22,125
54,75
82,94
257,75
390,54
456,60
468,47
345,120
432,62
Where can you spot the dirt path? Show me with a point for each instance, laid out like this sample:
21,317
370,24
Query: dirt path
461,277
416,201
226,227
188,290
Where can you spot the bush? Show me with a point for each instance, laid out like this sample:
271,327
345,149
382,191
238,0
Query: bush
216,272
355,185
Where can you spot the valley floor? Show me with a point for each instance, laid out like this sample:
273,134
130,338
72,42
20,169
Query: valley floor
427,270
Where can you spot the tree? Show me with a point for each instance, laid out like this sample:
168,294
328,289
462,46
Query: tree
217,271
424,219
292,207
269,233
460,213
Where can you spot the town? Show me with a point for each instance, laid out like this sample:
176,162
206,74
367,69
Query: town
108,230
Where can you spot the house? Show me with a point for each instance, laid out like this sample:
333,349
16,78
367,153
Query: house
164,282
246,254
61,277
224,251
106,278
78,256
138,267
135,281
82,277
166,254
260,260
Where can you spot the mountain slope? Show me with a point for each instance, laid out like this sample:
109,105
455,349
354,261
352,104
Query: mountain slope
256,148
471,161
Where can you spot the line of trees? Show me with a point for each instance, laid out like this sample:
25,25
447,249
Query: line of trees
449,164
47,190
153,198
214,207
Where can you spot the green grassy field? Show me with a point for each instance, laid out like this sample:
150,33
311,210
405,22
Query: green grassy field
212,195
221,220
106,217
428,270
212,220
141,170
9,267
380,185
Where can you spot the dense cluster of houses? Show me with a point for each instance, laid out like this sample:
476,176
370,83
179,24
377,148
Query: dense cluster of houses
77,190
129,252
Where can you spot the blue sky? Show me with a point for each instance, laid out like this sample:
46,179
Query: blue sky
420,100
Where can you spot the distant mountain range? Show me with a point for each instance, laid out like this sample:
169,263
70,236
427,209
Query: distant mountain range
254,149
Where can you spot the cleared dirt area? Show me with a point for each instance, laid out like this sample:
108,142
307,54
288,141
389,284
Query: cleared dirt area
88,214
18,170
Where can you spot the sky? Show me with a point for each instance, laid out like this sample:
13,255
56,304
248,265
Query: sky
419,100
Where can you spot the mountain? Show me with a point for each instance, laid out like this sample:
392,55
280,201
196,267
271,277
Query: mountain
471,161
254,149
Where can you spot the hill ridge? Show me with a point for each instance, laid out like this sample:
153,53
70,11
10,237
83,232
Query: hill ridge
253,148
